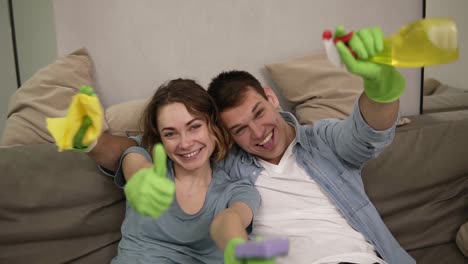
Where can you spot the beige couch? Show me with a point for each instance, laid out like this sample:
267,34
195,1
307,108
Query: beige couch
420,185
57,208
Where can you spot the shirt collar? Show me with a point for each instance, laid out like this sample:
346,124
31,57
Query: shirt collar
300,137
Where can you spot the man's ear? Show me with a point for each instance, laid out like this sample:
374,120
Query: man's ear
272,98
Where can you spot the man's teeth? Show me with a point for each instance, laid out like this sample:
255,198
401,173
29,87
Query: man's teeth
266,139
191,154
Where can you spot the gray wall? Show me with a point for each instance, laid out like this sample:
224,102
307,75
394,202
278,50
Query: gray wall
35,35
36,45
137,45
7,63
452,74
271,30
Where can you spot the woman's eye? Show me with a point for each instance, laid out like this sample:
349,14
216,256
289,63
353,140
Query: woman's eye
168,134
196,126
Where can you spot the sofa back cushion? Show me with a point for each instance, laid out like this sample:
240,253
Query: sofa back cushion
315,88
48,93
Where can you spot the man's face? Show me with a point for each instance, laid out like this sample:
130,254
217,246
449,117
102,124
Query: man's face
257,127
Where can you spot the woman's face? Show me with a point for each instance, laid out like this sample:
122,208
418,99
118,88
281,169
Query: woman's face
186,138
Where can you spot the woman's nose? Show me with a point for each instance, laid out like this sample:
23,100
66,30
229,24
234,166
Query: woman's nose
186,141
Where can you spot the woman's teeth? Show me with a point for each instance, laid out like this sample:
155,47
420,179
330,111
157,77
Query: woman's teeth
191,154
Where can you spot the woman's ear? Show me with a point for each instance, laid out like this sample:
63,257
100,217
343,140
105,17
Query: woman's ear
272,98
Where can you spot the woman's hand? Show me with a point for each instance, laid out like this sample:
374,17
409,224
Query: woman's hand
149,191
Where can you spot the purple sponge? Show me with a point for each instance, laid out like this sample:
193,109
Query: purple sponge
263,249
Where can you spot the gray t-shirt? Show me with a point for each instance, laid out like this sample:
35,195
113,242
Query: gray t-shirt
177,237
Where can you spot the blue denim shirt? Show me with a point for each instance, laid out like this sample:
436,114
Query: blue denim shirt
333,152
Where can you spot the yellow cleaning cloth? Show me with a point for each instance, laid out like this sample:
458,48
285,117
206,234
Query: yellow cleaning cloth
63,129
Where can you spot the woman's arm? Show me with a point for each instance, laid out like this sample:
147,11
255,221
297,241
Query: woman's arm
231,223
132,163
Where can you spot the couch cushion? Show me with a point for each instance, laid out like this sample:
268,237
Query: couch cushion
48,93
56,207
462,239
315,88
444,253
419,183
124,119
444,102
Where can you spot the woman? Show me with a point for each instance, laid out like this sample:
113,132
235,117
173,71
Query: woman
210,212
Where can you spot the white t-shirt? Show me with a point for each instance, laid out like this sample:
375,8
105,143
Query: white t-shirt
294,206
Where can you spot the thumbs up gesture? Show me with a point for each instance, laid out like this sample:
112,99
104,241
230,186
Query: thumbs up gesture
149,191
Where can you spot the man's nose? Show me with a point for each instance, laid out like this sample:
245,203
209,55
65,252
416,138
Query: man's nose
256,130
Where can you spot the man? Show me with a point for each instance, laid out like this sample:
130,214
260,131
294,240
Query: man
309,176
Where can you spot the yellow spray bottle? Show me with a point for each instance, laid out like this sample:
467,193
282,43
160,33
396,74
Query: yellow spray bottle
425,42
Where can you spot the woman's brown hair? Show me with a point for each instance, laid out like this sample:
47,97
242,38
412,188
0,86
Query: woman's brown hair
197,101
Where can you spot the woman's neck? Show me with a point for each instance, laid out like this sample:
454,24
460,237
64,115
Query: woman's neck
192,187
193,178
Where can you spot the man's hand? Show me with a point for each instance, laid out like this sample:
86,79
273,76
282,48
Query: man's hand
149,191
382,83
230,254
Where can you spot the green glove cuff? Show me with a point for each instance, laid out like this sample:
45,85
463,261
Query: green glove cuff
389,86
230,251
85,148
78,138
87,90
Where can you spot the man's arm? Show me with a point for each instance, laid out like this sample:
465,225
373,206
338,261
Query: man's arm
109,149
379,116
370,128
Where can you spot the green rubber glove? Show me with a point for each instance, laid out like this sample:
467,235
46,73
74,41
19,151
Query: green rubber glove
230,251
149,191
382,83
230,254
78,138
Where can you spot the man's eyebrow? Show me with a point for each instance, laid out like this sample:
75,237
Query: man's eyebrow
253,111
234,127
255,107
